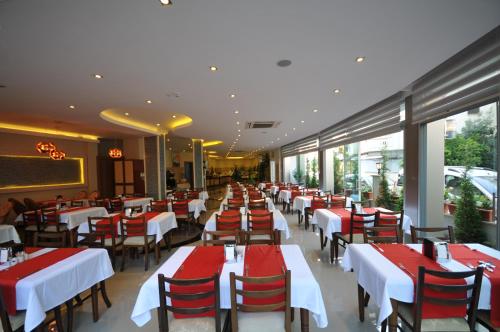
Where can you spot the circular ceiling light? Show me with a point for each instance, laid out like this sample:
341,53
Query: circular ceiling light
213,68
166,2
72,107
174,116
236,112
284,63
98,76
232,95
149,101
127,114
315,111
336,91
360,59
302,121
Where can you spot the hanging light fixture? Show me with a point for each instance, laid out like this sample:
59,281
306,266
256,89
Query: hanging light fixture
57,154
115,153
45,147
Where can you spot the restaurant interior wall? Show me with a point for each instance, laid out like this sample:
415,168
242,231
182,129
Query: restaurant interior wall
20,144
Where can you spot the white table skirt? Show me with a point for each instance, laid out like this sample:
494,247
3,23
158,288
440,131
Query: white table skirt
385,281
140,201
196,206
8,233
302,202
203,195
305,291
279,219
285,195
78,217
331,223
269,201
54,285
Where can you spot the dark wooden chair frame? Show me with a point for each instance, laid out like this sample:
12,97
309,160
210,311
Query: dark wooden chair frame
255,227
136,228
416,239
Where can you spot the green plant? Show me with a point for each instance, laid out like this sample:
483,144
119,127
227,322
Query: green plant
308,171
338,178
446,195
460,151
384,198
314,169
483,202
467,217
298,175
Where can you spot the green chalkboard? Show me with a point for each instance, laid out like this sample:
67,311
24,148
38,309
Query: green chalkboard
29,171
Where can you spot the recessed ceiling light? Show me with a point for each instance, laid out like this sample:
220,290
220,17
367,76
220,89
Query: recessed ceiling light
98,76
315,111
239,130
302,121
293,128
170,149
336,91
237,123
72,107
166,2
232,95
213,68
126,114
239,135
174,116
278,139
157,124
284,63
272,142
236,112
149,101
360,59
286,134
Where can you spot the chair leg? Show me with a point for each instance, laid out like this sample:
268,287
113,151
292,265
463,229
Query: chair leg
332,251
95,303
146,257
157,253
367,299
124,254
383,327
59,323
321,238
104,294
69,308
292,313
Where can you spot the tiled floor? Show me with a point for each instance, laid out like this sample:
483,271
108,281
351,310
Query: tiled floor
338,288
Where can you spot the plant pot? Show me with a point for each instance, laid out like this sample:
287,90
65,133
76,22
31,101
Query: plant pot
486,214
367,195
445,208
452,208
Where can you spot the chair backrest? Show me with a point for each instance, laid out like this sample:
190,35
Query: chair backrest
31,218
31,204
193,194
254,195
50,217
50,240
134,226
382,234
135,208
391,218
359,221
465,294
260,222
192,298
220,238
257,204
116,205
318,202
180,195
180,207
102,227
238,195
293,194
77,203
158,206
282,289
224,222
416,237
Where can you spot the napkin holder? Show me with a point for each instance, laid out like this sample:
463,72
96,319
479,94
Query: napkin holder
230,252
436,249
128,212
5,254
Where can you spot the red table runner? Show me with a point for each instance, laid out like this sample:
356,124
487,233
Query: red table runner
345,219
71,209
263,261
409,260
466,256
203,262
9,277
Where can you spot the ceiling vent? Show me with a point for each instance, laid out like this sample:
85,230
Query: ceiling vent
262,124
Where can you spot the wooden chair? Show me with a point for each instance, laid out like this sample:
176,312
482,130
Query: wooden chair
467,295
338,201
483,318
257,204
391,218
318,202
167,322
30,204
50,221
182,214
220,238
31,224
158,206
225,222
134,235
115,205
179,195
103,231
77,203
382,234
293,194
416,238
254,195
357,224
261,317
193,194
50,240
135,208
261,228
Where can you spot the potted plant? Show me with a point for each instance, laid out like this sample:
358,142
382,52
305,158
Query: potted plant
485,208
446,202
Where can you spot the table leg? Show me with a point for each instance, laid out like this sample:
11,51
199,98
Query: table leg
95,303
361,303
321,238
304,320
393,318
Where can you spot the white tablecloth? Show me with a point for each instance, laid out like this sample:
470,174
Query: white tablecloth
331,223
269,201
77,217
140,201
285,195
383,280
305,291
203,195
195,205
8,233
301,202
54,285
279,219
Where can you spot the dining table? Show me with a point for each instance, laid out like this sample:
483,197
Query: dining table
137,201
196,206
280,222
388,281
8,233
49,277
305,291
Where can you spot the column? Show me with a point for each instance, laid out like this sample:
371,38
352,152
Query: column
198,172
411,164
154,149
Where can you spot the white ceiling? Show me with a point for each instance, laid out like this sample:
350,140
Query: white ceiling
49,50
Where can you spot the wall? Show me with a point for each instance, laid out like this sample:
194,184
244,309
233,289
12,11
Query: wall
133,148
18,144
